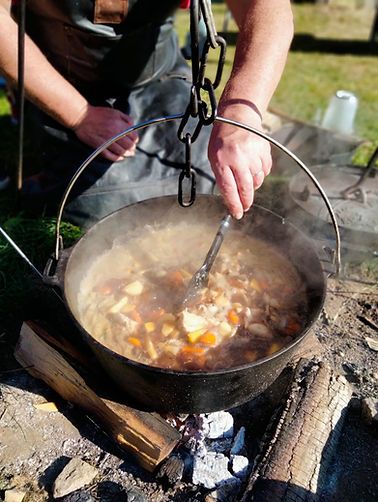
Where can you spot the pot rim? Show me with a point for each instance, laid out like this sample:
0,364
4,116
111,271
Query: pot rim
196,373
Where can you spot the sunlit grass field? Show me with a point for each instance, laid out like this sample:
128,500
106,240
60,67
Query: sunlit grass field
311,77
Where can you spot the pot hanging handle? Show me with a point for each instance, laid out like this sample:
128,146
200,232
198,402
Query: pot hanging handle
58,239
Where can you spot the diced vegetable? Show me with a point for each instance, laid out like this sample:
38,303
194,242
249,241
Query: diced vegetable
274,347
292,328
125,321
254,303
167,317
254,284
192,322
134,288
208,338
117,307
238,307
128,308
194,336
149,327
260,330
151,349
167,328
172,349
221,300
225,329
233,317
193,350
134,341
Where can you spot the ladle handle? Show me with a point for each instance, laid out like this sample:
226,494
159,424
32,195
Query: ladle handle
217,242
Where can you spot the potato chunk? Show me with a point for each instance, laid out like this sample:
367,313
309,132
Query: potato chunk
134,288
192,322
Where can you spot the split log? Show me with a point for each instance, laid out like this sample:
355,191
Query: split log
301,438
146,435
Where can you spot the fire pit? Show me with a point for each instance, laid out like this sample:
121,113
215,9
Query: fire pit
222,454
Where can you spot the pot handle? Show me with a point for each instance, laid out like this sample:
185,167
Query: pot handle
53,273
58,239
50,276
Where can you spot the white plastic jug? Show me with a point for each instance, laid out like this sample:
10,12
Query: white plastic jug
341,112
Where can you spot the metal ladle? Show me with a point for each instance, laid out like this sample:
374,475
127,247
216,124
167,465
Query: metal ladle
200,279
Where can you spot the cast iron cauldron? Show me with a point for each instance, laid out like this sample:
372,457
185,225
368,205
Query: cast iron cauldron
191,391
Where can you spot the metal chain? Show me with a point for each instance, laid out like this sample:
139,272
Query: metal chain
204,110
189,174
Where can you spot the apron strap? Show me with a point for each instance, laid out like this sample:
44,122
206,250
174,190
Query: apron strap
110,11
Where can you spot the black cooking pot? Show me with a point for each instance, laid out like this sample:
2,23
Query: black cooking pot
190,391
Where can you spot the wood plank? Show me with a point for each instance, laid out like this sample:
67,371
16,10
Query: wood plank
147,436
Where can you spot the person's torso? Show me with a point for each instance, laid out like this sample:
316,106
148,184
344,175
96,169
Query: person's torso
105,46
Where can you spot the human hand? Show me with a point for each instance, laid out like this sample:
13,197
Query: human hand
239,159
100,124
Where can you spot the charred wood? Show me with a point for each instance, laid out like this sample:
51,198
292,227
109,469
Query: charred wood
301,438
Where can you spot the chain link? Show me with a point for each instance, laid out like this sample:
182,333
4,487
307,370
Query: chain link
202,102
189,174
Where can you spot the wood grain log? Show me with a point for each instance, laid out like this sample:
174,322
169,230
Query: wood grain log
146,435
301,438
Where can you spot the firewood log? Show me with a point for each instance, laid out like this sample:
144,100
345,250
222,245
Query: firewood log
301,438
146,435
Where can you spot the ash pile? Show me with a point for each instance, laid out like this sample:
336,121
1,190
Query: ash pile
213,455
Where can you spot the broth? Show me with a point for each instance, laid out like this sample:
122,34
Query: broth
254,305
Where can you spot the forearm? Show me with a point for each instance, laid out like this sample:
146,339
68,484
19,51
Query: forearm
266,31
44,86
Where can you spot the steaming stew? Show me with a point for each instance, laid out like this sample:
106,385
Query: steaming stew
255,302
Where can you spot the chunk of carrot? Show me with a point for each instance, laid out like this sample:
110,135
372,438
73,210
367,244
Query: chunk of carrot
233,317
292,328
192,350
208,338
134,341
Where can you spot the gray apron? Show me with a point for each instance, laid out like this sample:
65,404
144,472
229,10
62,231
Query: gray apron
133,65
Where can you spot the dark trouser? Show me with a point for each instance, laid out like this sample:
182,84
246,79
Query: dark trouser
105,187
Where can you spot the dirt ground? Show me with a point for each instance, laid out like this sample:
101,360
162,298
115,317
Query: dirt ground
36,444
